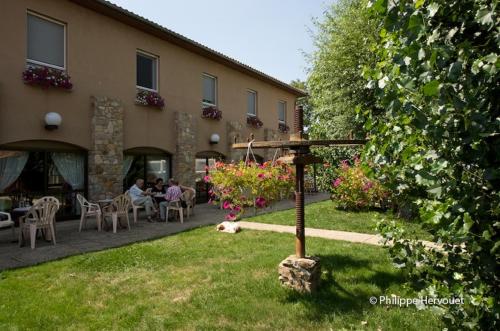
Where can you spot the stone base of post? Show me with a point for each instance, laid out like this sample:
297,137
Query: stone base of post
300,274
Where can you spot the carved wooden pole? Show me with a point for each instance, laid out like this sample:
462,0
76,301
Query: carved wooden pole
300,238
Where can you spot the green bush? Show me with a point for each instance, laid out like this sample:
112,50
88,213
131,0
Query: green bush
439,140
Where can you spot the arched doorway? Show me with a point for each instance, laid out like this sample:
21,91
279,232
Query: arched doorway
147,163
36,168
204,160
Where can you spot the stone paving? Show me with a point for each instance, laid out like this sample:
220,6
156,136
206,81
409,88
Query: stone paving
71,242
355,237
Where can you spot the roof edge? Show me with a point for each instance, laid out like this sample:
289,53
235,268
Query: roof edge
127,17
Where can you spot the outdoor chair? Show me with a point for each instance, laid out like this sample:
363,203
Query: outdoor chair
118,208
177,205
6,221
41,216
135,208
189,197
89,209
5,218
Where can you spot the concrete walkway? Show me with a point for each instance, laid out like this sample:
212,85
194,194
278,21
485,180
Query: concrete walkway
71,242
355,237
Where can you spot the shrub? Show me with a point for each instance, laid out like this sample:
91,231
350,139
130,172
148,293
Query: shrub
241,185
353,190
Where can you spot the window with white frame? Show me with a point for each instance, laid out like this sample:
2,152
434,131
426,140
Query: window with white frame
209,90
147,71
46,41
251,103
282,111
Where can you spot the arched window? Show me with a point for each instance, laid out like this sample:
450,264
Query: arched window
146,163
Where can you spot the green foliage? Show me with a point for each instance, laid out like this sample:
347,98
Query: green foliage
335,82
439,139
242,185
353,190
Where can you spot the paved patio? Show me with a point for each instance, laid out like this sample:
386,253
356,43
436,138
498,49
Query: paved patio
71,242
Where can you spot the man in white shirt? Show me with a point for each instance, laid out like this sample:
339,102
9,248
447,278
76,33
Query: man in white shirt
142,198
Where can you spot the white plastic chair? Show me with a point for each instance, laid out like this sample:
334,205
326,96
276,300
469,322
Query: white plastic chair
41,216
89,209
118,208
177,205
7,222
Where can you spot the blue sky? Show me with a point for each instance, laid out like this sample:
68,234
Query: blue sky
268,35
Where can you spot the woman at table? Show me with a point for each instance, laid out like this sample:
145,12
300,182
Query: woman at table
157,189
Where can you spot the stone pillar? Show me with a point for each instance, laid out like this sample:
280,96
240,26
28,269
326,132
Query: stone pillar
269,135
300,274
185,154
106,151
233,130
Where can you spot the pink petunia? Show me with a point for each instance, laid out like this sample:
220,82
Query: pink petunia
237,208
207,179
261,176
231,217
337,182
260,202
226,205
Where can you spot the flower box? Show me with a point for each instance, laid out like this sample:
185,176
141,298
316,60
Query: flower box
283,128
254,122
149,98
47,77
211,112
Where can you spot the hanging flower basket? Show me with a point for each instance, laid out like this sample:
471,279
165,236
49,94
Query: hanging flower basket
211,112
283,128
47,77
149,98
254,122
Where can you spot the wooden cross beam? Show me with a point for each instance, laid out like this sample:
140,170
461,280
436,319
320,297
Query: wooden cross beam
300,156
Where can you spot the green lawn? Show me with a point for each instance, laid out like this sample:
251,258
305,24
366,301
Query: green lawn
204,280
324,215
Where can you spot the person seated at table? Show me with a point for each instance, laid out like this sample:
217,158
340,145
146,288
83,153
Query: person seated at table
157,189
173,193
142,198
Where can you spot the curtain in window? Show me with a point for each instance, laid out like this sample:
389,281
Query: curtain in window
251,102
71,166
11,166
127,163
208,89
45,41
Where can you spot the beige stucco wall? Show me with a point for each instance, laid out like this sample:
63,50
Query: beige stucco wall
101,55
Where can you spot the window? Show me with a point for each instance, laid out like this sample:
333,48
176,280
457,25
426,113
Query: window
282,111
46,42
251,103
209,90
147,71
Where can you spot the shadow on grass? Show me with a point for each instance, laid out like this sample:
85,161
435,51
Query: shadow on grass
333,297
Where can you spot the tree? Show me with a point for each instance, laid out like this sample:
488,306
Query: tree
335,81
438,80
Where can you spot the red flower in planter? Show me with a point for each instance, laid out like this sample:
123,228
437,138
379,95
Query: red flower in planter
283,128
149,98
211,112
254,121
47,77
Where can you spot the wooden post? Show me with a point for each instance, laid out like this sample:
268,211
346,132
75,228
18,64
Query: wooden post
300,238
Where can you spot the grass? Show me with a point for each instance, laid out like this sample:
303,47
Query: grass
204,280
324,215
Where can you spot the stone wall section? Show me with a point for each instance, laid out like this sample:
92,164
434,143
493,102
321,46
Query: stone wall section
233,130
185,154
105,159
270,135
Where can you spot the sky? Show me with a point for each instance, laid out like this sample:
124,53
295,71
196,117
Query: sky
268,35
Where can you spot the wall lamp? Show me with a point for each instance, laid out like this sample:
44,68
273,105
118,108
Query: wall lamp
214,139
52,121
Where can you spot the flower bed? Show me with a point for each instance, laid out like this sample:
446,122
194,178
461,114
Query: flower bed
254,122
353,190
47,77
283,128
149,98
211,112
242,185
